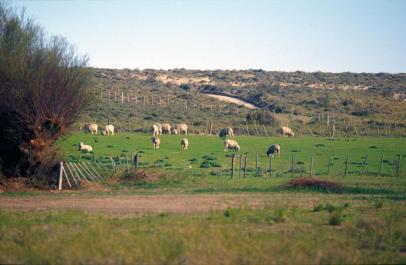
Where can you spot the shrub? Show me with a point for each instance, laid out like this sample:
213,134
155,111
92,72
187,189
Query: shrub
319,207
43,89
280,215
336,218
378,203
314,184
227,213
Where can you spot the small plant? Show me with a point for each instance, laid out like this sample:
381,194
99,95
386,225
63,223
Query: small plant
193,161
205,164
227,213
378,204
280,215
319,207
373,147
319,145
110,146
330,207
336,218
209,157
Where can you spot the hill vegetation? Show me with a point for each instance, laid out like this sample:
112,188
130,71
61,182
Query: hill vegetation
133,99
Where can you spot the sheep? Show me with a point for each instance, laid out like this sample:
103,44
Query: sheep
184,143
231,144
85,147
156,142
175,131
159,127
91,127
181,127
227,132
155,130
274,149
286,131
166,127
108,130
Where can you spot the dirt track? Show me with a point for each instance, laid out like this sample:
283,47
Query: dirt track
134,204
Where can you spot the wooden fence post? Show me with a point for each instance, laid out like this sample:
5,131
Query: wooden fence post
232,165
398,166
381,164
136,161
346,166
328,165
364,165
60,175
245,164
292,167
256,165
311,166
239,169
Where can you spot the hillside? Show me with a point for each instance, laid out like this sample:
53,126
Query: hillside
309,102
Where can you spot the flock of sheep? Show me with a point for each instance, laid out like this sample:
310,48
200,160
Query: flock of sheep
158,129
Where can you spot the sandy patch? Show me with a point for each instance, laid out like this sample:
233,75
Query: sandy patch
233,101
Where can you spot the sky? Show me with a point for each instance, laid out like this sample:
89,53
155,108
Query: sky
280,35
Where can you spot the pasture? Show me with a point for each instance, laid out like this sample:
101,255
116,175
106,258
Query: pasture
194,215
206,156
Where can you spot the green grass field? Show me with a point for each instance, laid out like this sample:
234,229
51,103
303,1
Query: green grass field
328,232
364,223
206,155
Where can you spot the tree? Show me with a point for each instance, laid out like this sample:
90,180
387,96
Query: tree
43,89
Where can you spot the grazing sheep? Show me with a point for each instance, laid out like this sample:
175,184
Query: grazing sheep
155,130
91,127
108,130
181,127
274,149
159,128
184,143
227,132
286,131
175,131
166,128
85,147
231,144
156,142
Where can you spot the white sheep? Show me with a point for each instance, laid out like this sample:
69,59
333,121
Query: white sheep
92,127
227,132
159,127
231,144
286,131
166,128
156,142
184,143
155,129
85,147
108,130
175,131
181,128
274,149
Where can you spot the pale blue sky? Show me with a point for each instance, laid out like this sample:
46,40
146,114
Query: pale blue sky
312,35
